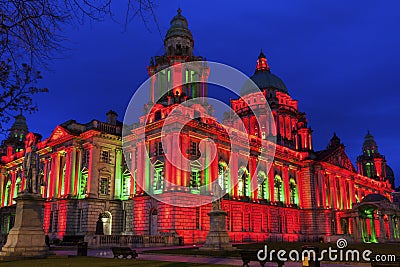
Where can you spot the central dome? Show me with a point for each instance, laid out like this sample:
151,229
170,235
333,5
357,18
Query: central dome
179,28
263,78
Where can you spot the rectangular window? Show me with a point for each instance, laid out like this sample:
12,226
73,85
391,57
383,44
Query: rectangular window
194,148
103,186
159,149
85,157
105,156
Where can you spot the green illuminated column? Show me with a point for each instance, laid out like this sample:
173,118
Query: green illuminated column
373,232
72,173
147,168
118,183
3,178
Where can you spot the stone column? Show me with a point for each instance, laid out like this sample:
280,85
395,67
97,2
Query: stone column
382,234
390,218
118,174
285,179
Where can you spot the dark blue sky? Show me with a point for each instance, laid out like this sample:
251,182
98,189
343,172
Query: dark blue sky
338,58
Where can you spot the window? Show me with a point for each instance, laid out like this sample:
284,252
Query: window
278,184
103,186
105,156
194,148
243,182
293,191
157,115
158,149
195,181
85,157
83,185
262,185
158,180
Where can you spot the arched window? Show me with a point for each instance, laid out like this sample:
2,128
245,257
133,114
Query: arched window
223,176
83,183
278,188
126,184
17,187
243,183
293,191
158,184
7,193
262,180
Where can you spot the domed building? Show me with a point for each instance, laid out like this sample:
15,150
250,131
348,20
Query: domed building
298,194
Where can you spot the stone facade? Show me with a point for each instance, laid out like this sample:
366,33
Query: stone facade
304,195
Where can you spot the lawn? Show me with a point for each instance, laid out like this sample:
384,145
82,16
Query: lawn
383,249
97,262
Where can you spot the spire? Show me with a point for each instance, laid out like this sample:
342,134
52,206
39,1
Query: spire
369,145
262,63
179,40
334,142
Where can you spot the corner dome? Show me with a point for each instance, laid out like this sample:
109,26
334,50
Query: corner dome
263,78
374,198
19,123
369,140
179,28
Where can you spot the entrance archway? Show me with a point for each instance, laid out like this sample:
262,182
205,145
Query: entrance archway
106,218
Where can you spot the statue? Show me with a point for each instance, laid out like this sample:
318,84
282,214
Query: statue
31,165
218,193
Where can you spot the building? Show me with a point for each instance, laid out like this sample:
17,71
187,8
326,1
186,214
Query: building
305,195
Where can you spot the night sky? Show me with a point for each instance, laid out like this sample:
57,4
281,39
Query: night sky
338,58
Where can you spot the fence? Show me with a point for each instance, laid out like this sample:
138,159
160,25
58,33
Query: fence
106,241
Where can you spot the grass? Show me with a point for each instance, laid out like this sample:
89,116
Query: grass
98,262
382,249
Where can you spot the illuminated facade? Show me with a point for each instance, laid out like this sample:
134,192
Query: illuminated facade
305,195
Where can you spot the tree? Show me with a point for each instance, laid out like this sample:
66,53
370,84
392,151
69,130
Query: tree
31,35
18,85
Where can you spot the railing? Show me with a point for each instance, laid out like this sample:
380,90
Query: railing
105,241
105,127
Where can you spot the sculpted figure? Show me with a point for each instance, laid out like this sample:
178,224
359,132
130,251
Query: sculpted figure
31,165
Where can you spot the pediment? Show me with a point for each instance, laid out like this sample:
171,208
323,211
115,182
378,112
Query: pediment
339,158
58,133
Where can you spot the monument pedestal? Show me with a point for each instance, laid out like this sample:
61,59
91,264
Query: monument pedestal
26,238
217,237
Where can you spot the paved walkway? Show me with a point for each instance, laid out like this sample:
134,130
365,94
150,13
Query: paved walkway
107,253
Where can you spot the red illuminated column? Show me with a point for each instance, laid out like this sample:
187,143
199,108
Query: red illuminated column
323,188
13,183
67,177
3,182
345,193
177,78
234,172
352,193
72,175
177,155
186,167
55,158
172,152
334,191
271,183
299,188
133,174
45,175
286,183
140,168
317,179
77,170
253,177
214,165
